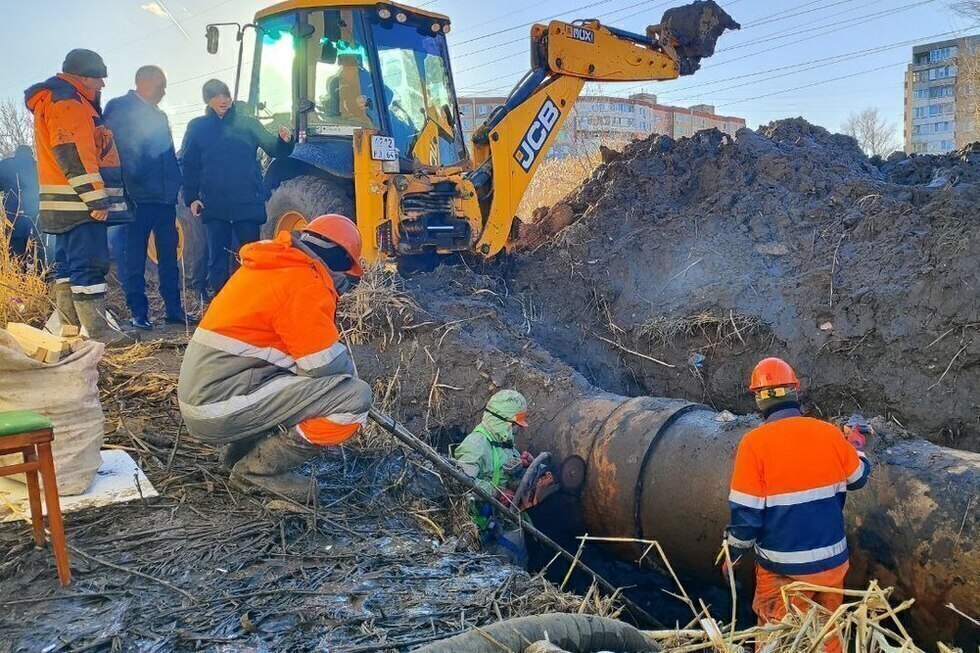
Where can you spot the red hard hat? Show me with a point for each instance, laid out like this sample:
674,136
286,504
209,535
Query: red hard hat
773,373
342,232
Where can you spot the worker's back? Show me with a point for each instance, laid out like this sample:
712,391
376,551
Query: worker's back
788,489
274,318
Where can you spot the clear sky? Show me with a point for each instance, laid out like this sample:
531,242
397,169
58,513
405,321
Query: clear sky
820,59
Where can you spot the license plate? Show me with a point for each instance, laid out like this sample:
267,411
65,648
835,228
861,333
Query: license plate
383,148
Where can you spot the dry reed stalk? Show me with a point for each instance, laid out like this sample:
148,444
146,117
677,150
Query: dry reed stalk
23,284
377,308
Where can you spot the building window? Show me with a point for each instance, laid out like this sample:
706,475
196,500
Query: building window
481,110
941,54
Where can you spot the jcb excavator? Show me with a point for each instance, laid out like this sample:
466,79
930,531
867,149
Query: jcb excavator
367,88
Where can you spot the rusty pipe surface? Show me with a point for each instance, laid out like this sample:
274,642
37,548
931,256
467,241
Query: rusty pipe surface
660,469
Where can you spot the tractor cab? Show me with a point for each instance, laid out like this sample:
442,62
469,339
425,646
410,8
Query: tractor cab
326,71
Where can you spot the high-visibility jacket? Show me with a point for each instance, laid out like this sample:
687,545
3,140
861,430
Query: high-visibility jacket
271,323
77,162
788,490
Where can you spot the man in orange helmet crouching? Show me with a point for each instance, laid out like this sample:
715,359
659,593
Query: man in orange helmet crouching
790,481
266,372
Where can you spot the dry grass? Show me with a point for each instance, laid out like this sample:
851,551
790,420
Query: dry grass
377,309
554,180
23,288
713,328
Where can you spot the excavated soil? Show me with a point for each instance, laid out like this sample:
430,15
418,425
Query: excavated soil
711,252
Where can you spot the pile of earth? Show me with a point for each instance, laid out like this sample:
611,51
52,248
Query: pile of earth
712,252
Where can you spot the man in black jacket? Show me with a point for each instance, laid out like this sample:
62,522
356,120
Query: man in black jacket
222,178
152,179
18,183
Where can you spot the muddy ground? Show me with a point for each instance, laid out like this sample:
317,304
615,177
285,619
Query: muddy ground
711,252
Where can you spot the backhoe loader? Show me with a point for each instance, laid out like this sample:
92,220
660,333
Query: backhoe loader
367,89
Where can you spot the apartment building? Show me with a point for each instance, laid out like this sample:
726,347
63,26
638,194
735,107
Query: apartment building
941,98
600,119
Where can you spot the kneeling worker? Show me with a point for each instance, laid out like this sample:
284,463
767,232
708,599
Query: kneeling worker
791,479
489,456
265,372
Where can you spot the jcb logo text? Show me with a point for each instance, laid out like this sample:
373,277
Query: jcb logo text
537,134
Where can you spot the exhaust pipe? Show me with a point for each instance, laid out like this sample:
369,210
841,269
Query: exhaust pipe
656,468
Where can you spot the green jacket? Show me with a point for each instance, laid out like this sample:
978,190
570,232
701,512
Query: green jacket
485,452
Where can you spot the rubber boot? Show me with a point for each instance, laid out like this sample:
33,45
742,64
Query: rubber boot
64,305
269,468
235,451
91,315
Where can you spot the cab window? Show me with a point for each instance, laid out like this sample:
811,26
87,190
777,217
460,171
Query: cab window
274,92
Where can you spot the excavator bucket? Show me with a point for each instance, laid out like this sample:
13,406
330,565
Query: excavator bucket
693,30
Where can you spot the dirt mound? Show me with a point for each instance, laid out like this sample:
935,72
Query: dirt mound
710,252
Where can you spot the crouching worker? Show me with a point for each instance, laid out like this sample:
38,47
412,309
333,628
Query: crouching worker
265,372
489,456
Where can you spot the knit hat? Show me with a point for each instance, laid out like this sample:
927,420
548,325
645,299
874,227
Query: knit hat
213,88
84,63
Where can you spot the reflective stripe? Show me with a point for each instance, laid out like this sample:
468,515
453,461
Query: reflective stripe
810,555
236,347
115,192
238,403
348,418
859,472
740,544
805,496
321,358
81,180
746,500
63,280
89,290
119,206
57,190
47,205
93,195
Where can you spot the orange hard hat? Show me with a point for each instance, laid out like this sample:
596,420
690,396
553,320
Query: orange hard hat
772,373
341,232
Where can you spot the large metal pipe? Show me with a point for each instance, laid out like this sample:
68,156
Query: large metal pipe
660,469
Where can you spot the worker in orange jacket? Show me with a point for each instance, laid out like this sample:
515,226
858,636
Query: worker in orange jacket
791,479
266,372
81,189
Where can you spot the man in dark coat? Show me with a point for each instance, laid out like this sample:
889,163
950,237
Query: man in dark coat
222,178
18,183
152,178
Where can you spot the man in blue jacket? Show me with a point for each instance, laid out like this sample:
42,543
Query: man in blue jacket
222,178
152,179
18,183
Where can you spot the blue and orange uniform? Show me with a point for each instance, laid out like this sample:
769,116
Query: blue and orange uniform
789,485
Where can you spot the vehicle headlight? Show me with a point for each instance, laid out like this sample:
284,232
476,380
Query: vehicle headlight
384,13
400,17
445,28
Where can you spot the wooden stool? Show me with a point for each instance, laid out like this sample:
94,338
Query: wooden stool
31,435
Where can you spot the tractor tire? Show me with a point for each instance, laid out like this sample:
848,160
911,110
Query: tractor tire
297,201
192,250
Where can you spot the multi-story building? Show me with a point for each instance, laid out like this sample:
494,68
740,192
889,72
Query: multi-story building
600,119
941,99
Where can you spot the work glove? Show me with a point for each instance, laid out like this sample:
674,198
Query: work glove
506,497
857,431
526,458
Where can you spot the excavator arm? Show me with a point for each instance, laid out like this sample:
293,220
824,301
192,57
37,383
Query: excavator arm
510,146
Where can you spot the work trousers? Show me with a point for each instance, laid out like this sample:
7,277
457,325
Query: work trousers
225,238
769,605
324,411
160,220
82,259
